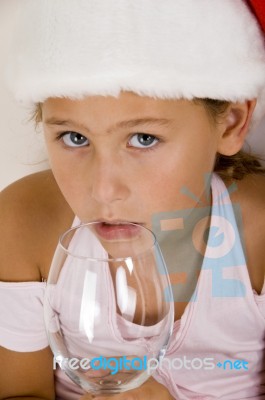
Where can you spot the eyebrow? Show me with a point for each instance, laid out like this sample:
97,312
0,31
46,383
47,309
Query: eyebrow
123,124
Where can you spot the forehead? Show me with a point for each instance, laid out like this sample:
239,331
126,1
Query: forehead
128,110
125,103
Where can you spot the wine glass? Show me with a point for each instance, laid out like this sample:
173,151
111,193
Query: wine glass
108,306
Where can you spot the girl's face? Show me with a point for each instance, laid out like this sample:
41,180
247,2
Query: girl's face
128,158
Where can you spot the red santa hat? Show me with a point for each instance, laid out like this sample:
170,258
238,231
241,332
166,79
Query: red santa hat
258,7
165,49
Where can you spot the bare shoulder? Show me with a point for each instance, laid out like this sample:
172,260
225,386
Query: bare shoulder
33,213
251,198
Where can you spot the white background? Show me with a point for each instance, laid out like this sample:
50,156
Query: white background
22,150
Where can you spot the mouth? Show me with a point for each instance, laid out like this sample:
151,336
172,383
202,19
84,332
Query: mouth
117,229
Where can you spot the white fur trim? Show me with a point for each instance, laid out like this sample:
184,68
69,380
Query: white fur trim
158,48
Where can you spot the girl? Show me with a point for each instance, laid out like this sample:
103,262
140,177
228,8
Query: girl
145,106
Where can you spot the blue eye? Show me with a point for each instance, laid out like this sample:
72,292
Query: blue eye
143,140
74,139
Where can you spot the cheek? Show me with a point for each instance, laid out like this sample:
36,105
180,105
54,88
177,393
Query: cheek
68,177
178,180
69,186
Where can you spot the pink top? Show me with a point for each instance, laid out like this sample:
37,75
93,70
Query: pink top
217,347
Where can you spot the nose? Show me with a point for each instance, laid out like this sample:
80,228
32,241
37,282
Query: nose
108,179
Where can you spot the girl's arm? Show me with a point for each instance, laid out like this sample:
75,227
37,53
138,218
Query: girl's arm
24,228
26,375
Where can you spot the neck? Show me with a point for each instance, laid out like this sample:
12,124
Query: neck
183,246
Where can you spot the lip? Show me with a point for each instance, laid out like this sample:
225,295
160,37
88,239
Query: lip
117,230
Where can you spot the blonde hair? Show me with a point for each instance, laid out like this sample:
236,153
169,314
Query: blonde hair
227,167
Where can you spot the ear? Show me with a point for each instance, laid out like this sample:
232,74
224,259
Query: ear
234,127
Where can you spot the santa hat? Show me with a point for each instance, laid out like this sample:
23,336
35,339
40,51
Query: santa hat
258,7
164,49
